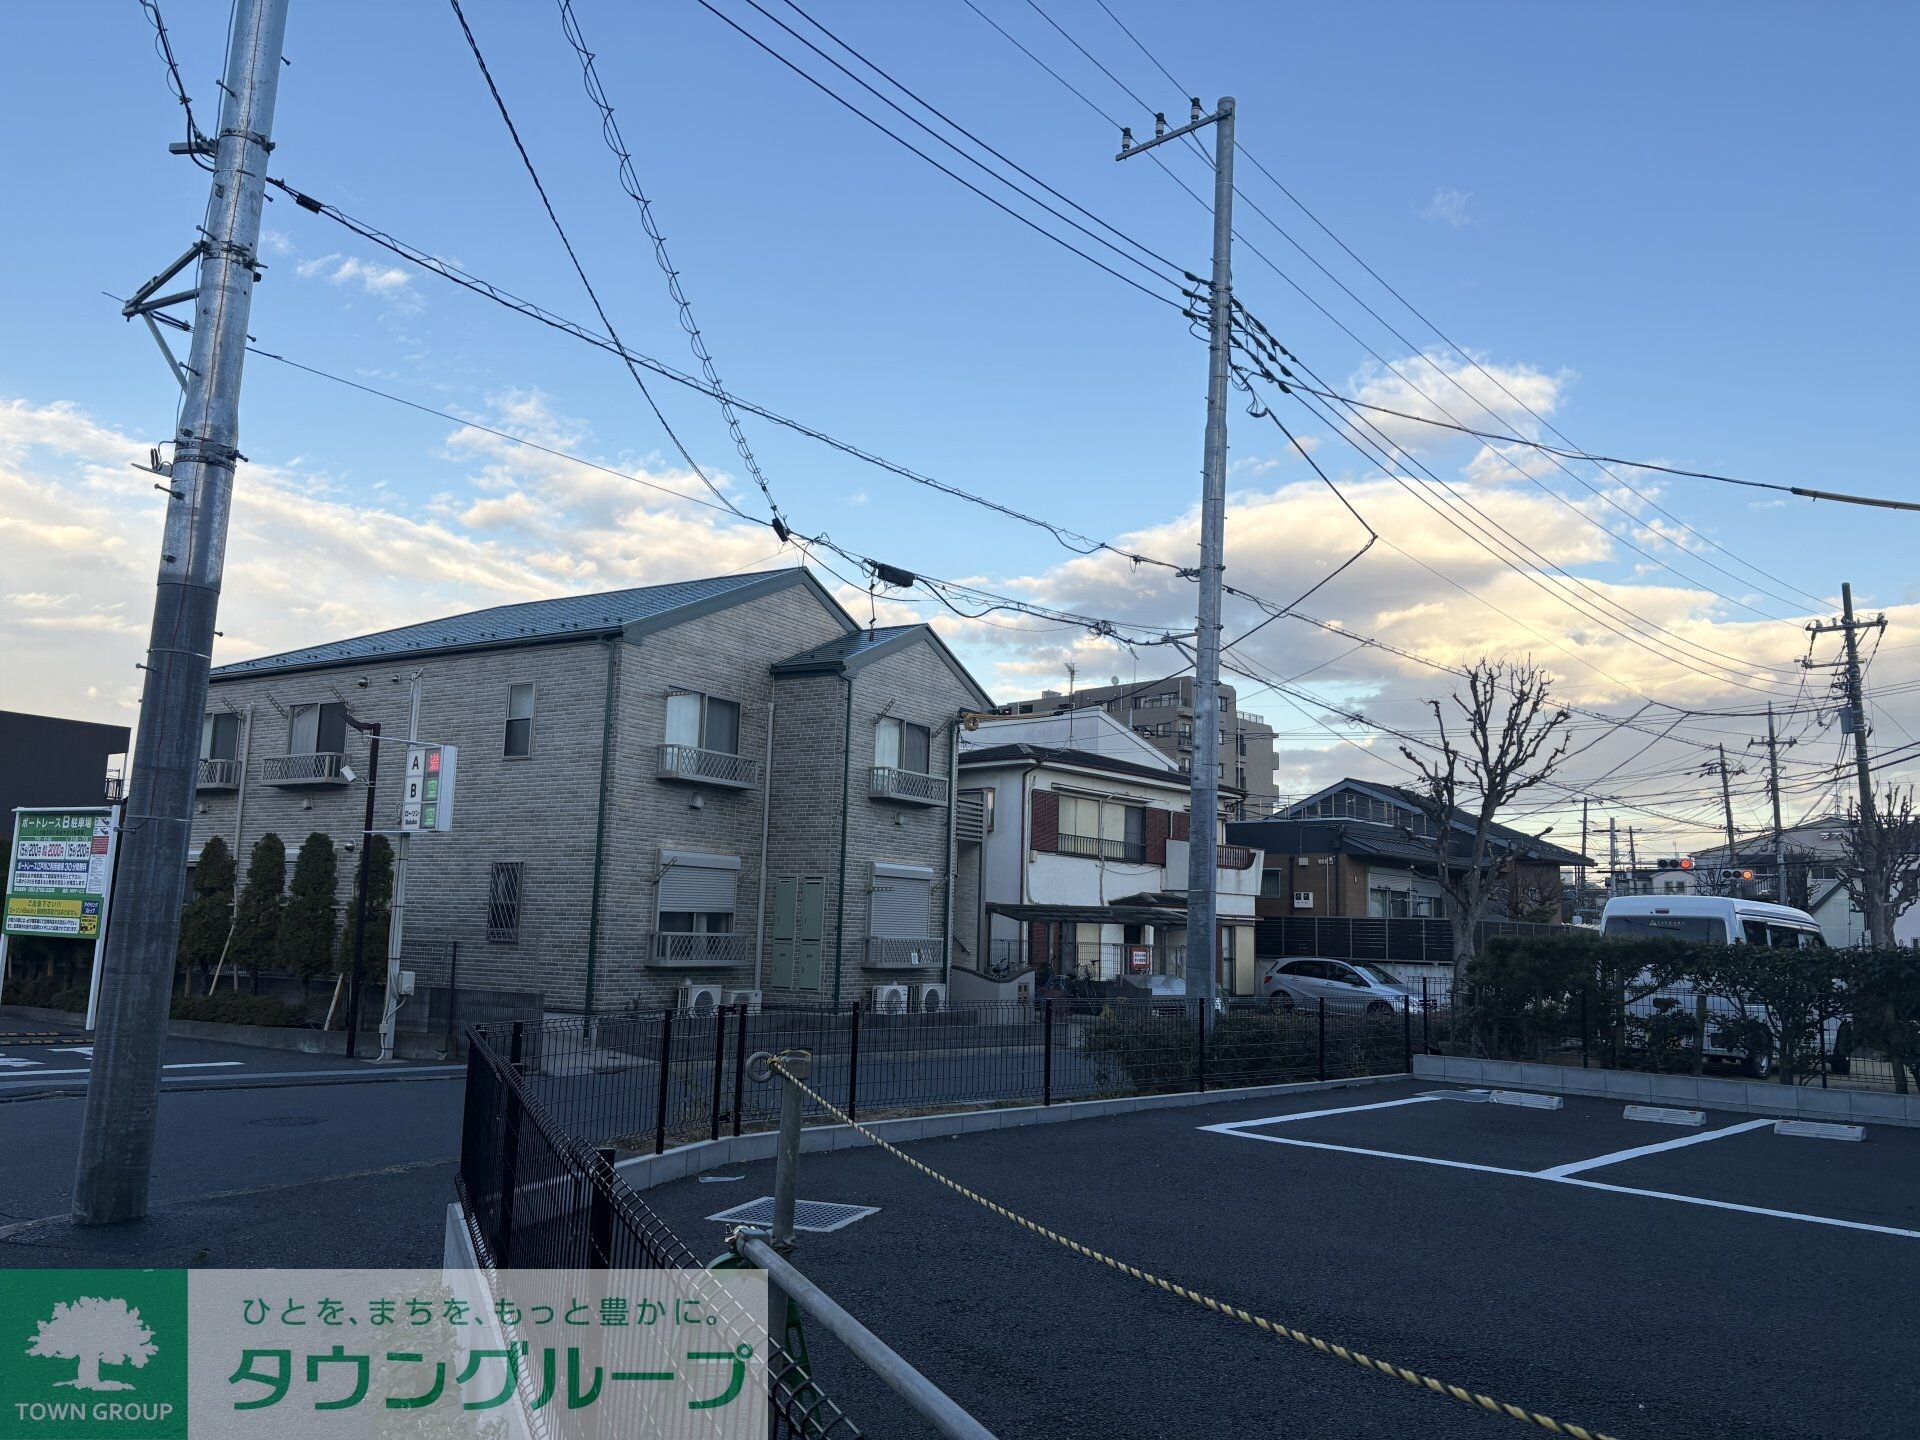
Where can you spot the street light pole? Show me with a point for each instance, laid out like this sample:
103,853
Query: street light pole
123,1088
371,729
1203,946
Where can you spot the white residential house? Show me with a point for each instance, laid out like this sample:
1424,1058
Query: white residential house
1082,865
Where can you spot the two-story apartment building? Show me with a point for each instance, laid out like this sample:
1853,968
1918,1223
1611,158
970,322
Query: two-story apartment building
1082,865
725,782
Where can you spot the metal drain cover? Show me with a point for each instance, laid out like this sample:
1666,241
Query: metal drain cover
818,1216
285,1121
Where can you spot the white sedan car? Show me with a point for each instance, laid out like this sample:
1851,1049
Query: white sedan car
1348,985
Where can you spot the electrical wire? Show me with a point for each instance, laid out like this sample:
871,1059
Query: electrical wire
630,182
533,174
163,46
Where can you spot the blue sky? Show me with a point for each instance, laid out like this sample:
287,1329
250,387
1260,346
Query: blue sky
1683,227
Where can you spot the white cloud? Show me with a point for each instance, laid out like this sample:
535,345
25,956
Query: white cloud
387,283
1449,207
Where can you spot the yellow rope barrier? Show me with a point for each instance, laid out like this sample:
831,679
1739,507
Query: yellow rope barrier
1221,1307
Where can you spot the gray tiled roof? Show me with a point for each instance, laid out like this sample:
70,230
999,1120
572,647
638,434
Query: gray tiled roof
836,653
530,621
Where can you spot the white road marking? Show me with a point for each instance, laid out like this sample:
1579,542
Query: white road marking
86,1050
1549,1177
1561,1171
10,1063
180,1065
1234,1127
442,1072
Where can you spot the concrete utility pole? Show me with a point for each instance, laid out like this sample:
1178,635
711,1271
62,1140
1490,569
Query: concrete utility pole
1633,862
1874,883
1780,888
1726,803
1581,898
1203,948
1613,858
116,1137
397,913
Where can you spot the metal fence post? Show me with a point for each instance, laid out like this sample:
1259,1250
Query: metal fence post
719,1066
1323,1037
1426,1021
510,1151
1406,1030
1585,1057
666,1070
1200,1047
600,1210
1699,1034
1046,1070
797,1065
853,1064
740,1069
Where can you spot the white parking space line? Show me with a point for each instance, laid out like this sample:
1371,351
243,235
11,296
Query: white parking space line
1561,1171
1553,1177
1235,1127
178,1065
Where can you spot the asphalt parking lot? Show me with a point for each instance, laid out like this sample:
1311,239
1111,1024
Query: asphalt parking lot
1639,1279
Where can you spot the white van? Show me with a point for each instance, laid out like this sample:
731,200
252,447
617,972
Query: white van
1720,920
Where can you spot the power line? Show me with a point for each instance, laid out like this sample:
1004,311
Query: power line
630,182
533,174
198,146
1308,255
899,139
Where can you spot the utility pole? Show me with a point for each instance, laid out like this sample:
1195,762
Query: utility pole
1613,858
371,729
1202,839
116,1135
1581,896
1878,930
1780,887
1726,803
1633,861
397,914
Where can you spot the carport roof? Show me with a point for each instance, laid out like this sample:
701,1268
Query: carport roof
1090,914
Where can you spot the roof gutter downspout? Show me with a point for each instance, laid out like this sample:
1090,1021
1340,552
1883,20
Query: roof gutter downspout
600,820
846,807
953,800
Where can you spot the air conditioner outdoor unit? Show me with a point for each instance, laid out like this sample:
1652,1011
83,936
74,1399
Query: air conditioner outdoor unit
748,998
890,999
699,999
929,999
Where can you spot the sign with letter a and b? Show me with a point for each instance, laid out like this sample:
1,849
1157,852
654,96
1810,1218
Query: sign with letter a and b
426,799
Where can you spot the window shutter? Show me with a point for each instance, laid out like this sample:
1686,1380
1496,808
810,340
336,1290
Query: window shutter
1157,828
1046,821
698,882
1177,825
902,903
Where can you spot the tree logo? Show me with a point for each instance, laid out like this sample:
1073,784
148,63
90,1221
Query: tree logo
94,1331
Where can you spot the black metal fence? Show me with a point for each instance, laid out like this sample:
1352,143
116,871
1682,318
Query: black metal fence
1677,1029
644,1081
536,1197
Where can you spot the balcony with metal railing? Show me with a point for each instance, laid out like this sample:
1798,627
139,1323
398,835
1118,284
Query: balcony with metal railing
318,767
908,956
679,950
218,775
690,765
907,787
1093,847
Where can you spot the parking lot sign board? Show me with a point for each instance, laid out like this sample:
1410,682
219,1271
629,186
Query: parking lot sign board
59,868
426,797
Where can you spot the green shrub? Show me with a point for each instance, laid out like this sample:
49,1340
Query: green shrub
38,992
71,1000
231,1009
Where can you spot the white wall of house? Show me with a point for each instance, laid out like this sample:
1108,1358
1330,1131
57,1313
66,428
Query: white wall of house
1093,731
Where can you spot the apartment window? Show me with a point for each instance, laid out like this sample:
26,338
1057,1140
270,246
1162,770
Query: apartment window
902,745
503,902
1106,829
317,729
519,743
220,737
1270,885
697,893
703,722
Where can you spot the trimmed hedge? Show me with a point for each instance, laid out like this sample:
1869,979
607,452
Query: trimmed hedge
230,1009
